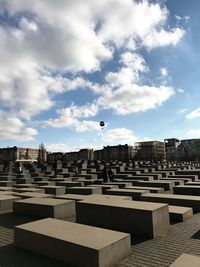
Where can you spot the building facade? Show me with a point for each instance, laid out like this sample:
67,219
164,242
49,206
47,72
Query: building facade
18,154
189,149
171,149
119,152
151,151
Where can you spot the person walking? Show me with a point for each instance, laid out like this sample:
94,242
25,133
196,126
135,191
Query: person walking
104,175
110,175
55,167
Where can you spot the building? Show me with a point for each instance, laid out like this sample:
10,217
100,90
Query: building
51,157
86,154
18,154
150,150
189,149
119,152
171,148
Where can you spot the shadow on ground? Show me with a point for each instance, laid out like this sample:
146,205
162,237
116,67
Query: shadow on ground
11,256
10,220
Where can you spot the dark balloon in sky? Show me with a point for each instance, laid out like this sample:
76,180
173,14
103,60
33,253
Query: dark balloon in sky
102,123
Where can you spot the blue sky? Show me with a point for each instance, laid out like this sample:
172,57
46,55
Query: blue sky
66,65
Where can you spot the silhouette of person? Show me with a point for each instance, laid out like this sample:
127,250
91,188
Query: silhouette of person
104,175
110,175
55,167
5,166
18,167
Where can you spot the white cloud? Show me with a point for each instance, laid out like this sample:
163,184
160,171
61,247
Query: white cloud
51,38
193,133
133,98
163,38
12,128
163,72
58,147
183,110
194,114
73,117
179,90
133,65
119,136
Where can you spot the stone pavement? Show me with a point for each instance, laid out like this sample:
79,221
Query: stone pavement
159,252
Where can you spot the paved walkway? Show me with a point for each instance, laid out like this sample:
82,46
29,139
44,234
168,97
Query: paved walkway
159,252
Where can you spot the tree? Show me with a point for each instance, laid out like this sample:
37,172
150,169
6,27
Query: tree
42,153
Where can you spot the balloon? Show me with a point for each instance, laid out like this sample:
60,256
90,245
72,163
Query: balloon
102,124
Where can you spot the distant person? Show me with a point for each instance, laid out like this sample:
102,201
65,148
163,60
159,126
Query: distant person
55,167
110,175
5,166
104,175
18,167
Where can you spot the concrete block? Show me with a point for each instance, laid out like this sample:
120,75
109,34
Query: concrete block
84,190
33,190
176,200
150,189
134,193
46,207
32,195
6,202
5,188
186,260
76,244
126,216
6,183
78,197
187,190
180,214
104,187
53,189
166,185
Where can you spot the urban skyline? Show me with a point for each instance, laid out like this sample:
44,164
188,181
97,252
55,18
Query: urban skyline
66,66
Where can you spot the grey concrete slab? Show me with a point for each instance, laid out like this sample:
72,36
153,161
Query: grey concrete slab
24,186
6,202
68,183
32,195
184,176
193,183
53,189
150,189
46,207
134,193
120,184
9,193
176,181
76,244
104,187
34,190
5,188
176,200
180,214
166,185
126,216
78,197
187,190
140,178
186,260
84,190
6,183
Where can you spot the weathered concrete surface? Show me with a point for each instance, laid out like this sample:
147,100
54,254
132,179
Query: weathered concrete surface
46,207
187,260
159,252
126,216
76,244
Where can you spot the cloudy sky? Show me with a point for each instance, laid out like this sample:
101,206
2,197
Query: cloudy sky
66,65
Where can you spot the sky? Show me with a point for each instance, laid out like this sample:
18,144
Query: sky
66,65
